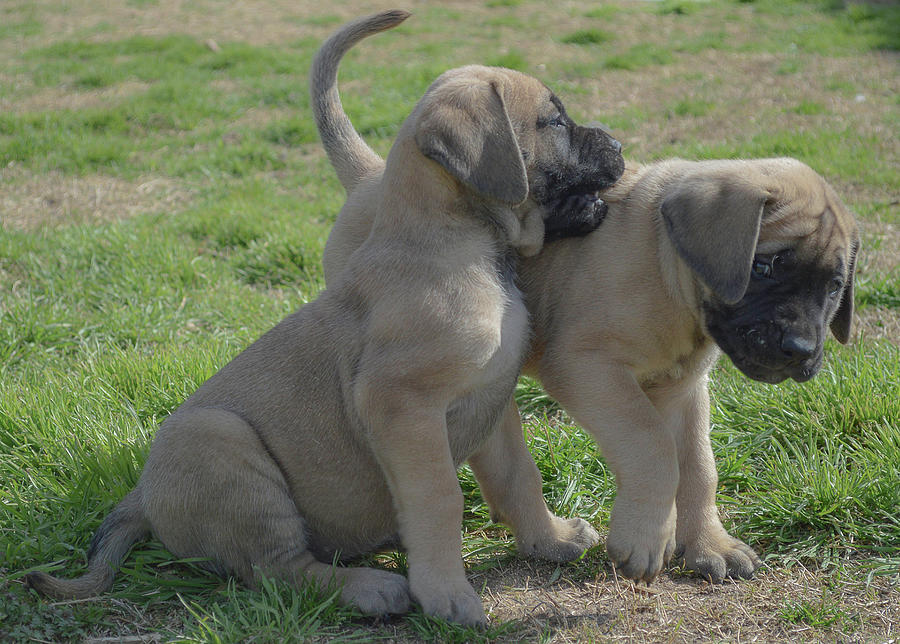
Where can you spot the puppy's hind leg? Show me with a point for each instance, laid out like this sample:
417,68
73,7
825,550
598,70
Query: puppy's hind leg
511,484
213,490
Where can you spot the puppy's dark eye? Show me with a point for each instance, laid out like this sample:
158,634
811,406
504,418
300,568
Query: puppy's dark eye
835,286
762,269
557,121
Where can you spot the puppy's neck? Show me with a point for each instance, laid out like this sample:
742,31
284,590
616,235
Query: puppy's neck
641,184
415,191
520,228
622,189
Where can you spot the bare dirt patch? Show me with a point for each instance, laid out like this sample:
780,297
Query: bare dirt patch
29,201
543,602
767,608
775,606
878,323
879,255
880,250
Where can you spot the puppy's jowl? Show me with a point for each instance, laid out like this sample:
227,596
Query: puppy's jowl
340,430
755,258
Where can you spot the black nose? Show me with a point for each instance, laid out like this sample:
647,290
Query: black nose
798,346
616,145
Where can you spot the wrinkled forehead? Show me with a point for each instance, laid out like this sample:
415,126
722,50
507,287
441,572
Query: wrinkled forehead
813,222
525,94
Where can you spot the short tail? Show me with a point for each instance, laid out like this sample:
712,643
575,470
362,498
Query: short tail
351,157
123,526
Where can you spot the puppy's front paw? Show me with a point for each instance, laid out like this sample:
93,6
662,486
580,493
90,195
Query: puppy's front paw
566,541
641,541
454,601
717,555
376,592
574,216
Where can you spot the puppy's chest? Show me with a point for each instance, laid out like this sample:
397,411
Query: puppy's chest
505,362
476,413
492,324
688,359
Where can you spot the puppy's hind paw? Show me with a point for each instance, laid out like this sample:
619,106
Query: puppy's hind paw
567,541
454,602
376,592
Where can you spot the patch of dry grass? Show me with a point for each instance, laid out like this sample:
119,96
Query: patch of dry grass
879,254
65,98
29,201
545,604
685,609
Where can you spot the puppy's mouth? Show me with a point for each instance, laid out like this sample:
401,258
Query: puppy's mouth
600,206
574,216
595,185
765,366
773,376
760,352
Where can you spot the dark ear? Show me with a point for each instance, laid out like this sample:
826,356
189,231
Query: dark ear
465,128
713,221
843,319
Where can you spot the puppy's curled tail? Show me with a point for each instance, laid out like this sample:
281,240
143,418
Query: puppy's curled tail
351,157
121,528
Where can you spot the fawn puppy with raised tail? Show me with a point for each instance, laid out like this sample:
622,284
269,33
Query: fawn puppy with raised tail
339,431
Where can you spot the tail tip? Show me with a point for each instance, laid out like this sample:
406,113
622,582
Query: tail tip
37,581
396,16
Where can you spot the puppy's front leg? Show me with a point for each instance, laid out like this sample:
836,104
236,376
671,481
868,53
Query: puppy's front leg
408,434
701,540
511,484
606,400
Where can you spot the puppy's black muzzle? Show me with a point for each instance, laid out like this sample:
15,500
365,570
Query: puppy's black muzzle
766,350
570,192
593,162
599,158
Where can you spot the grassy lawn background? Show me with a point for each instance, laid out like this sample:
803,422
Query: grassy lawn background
164,200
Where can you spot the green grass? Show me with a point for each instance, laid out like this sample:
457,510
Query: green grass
691,107
273,613
106,328
834,151
586,37
811,469
817,615
809,108
639,56
511,60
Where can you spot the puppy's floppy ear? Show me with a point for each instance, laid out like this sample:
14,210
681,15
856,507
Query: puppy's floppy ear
465,128
713,221
843,318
